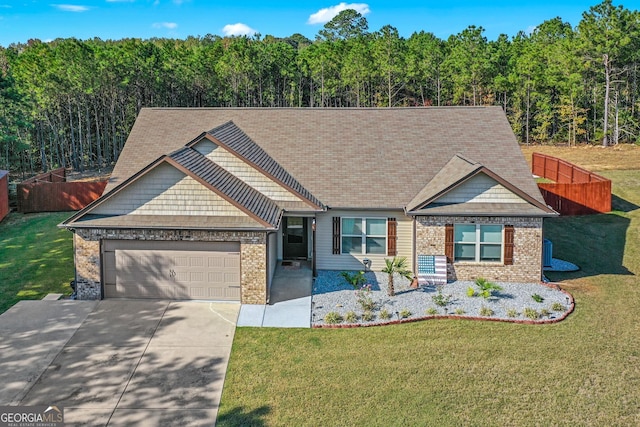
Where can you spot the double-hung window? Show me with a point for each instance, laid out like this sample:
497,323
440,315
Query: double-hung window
364,236
477,242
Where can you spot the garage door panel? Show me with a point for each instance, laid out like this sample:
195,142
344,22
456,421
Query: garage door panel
166,274
216,277
181,261
196,261
232,262
196,276
232,292
232,278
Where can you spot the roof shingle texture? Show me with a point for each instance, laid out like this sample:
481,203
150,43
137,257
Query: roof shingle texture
230,186
356,158
238,141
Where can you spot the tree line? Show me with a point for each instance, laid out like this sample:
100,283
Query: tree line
71,102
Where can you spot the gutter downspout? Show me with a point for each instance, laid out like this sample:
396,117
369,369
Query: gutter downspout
414,252
313,247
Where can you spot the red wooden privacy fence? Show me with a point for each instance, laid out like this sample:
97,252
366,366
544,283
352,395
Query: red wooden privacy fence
50,192
576,191
4,194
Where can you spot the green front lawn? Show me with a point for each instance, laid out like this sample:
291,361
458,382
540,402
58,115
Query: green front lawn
36,257
582,371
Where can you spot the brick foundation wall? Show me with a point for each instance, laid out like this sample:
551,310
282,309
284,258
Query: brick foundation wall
253,256
527,252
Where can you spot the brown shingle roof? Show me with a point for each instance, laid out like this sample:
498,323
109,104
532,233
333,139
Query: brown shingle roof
228,186
261,211
454,173
358,158
456,170
237,141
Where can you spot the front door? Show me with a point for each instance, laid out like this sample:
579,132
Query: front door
294,235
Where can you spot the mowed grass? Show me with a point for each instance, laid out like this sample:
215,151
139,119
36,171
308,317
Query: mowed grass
36,257
582,371
591,157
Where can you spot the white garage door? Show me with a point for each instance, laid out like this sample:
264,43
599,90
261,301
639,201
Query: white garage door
172,270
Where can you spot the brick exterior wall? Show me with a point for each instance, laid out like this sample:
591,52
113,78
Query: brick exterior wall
527,251
253,256
87,261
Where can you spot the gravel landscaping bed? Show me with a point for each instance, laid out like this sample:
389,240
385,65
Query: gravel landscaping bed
331,293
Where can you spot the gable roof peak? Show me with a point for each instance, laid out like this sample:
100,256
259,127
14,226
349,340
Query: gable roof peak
466,159
235,140
332,152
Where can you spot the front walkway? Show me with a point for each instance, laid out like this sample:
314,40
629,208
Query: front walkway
289,303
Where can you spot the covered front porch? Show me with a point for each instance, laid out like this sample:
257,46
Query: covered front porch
289,303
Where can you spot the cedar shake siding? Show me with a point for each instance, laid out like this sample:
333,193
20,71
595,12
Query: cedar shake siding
245,172
167,191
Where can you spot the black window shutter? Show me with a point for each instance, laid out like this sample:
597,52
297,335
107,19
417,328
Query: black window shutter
336,235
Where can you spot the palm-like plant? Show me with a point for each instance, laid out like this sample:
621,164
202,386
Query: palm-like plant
486,287
397,265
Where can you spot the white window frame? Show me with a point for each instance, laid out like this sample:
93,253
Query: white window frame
478,244
364,235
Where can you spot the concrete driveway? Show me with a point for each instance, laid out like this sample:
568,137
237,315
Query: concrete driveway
133,362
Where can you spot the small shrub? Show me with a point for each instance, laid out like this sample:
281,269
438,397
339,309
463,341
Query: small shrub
384,314
471,292
332,317
531,313
512,312
545,313
557,306
351,317
354,279
537,298
459,311
363,297
404,313
486,287
486,311
440,299
432,311
368,316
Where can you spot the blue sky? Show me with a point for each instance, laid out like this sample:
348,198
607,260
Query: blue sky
21,20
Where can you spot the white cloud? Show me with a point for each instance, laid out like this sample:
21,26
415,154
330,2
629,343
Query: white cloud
70,7
120,1
167,25
238,29
328,13
530,29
